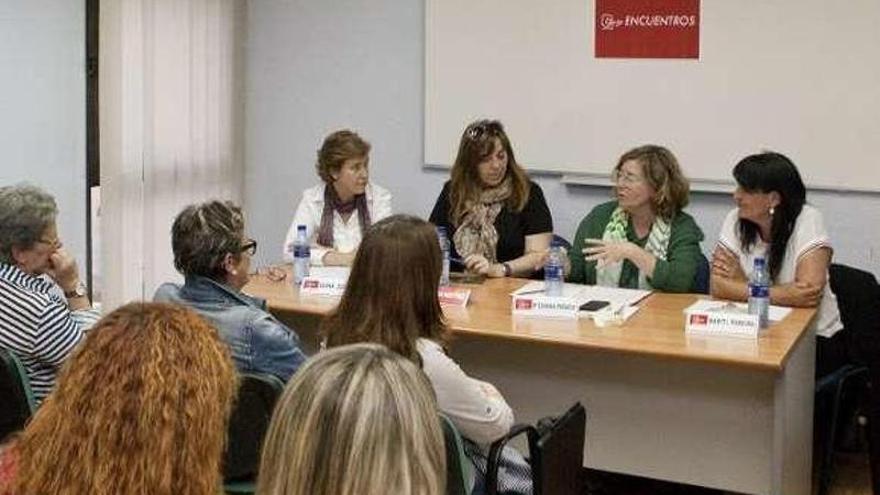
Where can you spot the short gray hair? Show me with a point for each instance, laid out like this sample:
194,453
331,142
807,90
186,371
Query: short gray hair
203,234
26,211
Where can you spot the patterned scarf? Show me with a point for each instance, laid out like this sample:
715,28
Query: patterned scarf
477,234
331,203
608,275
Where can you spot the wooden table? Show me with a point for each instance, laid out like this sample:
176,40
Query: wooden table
720,412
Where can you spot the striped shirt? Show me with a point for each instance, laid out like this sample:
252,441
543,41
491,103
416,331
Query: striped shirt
37,325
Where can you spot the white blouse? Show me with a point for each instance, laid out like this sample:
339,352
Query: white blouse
809,234
475,407
346,234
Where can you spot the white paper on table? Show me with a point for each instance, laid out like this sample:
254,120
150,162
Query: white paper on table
330,272
617,298
774,313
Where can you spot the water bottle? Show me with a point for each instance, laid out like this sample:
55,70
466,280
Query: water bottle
302,254
554,280
759,292
444,250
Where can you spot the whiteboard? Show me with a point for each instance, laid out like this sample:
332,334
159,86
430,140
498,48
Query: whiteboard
797,76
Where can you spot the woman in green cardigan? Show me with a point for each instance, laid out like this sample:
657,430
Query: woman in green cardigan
642,239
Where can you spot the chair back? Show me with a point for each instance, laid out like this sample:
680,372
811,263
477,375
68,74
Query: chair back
858,300
557,456
459,477
257,395
701,278
18,402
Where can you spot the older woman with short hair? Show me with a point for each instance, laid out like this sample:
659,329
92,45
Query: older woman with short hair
214,256
337,212
37,324
643,239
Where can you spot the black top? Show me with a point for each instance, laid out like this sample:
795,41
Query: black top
512,227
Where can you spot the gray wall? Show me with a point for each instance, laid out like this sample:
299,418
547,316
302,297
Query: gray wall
316,66
42,106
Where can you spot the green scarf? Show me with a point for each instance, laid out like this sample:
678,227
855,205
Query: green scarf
608,275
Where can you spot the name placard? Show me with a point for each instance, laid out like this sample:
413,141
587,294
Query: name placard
545,306
453,296
322,286
735,324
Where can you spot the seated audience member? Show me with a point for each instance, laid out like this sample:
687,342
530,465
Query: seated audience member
338,212
356,420
39,323
213,254
391,299
140,407
496,218
642,239
772,220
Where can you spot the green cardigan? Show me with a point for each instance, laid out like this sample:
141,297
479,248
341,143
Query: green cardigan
676,273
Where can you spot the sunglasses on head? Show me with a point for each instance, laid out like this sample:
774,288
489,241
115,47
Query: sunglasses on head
483,128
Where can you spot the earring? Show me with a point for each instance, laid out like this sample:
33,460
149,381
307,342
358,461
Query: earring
772,211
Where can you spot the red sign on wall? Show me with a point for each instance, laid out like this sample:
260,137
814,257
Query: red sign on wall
647,28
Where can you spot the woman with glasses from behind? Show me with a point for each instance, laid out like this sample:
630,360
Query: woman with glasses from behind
642,239
214,256
391,299
496,218
355,420
45,308
140,407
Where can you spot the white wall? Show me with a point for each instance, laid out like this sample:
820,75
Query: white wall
42,106
315,66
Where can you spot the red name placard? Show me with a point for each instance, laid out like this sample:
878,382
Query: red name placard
647,28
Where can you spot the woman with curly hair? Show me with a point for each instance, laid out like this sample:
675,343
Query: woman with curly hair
141,407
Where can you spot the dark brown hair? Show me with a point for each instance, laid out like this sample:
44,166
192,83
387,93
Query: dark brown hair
477,144
391,297
768,172
337,148
140,407
663,174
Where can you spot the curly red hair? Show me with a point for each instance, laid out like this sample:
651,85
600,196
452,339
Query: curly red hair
141,407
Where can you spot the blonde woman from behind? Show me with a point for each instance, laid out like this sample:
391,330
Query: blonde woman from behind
355,420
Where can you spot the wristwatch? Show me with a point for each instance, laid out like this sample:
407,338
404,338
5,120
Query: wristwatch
78,291
507,269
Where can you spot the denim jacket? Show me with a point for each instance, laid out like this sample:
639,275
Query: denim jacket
258,341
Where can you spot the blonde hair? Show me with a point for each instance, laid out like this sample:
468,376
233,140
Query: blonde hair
141,407
355,420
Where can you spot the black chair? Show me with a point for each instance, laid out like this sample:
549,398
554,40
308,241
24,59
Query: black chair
459,475
556,452
18,404
257,395
858,300
701,278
